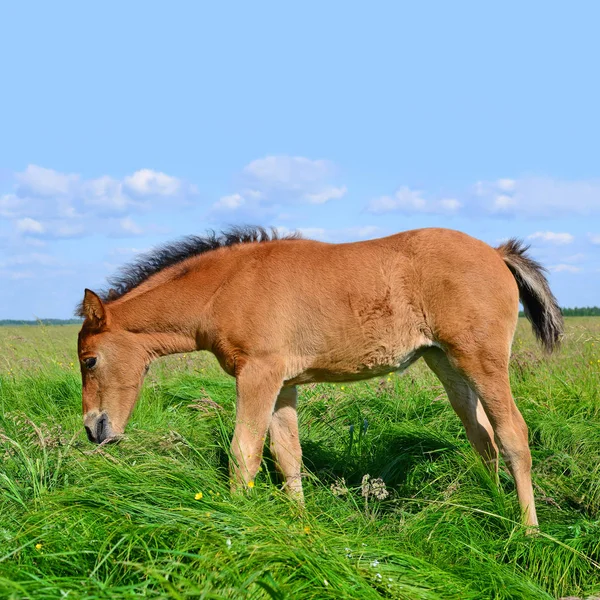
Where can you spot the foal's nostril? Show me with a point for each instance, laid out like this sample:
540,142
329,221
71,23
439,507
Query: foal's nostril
89,434
101,428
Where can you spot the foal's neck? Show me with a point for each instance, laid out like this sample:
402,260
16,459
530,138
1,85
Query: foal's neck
173,315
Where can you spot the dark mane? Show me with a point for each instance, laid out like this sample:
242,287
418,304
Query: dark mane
132,275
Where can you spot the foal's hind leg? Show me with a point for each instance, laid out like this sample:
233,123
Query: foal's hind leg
285,443
467,406
487,371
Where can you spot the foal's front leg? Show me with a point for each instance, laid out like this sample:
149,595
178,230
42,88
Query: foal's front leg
285,442
258,385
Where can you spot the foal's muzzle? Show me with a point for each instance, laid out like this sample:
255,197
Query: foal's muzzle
98,428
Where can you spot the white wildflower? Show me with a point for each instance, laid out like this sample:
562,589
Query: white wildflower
365,487
373,487
339,488
378,489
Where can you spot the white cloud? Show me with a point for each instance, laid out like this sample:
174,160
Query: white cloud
503,203
293,178
283,230
38,181
269,186
52,194
552,237
506,185
404,199
294,173
28,225
12,206
574,258
147,182
412,201
106,196
366,231
539,197
329,193
32,265
53,228
450,204
17,275
564,268
595,239
33,242
128,225
127,251
313,232
47,204
67,230
33,258
231,202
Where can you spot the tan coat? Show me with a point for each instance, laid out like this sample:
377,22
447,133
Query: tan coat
282,312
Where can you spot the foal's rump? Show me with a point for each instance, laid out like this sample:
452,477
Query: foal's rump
471,291
469,296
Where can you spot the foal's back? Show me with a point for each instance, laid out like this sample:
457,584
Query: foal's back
340,311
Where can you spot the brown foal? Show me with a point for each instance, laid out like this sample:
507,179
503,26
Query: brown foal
278,312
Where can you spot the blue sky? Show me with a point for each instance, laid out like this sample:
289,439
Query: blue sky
127,124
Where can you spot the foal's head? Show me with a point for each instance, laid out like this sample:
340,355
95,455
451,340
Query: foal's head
113,364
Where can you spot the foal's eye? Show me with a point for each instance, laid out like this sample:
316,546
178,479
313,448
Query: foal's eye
89,362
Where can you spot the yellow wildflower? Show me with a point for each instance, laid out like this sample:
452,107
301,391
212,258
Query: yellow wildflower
307,529
343,388
38,546
251,484
198,496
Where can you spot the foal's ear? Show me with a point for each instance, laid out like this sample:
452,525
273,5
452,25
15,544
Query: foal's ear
93,308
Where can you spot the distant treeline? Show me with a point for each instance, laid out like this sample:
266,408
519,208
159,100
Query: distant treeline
585,311
14,322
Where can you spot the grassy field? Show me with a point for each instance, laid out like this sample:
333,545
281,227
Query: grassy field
125,521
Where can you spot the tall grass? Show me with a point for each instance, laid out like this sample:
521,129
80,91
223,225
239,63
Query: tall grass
79,521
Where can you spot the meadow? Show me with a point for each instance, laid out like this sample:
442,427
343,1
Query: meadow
152,516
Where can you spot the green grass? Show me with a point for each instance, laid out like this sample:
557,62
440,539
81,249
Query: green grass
122,520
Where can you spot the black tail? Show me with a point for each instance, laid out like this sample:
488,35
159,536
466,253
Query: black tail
541,307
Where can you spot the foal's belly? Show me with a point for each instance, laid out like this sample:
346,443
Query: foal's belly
334,371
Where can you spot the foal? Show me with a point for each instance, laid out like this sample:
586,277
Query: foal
278,312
